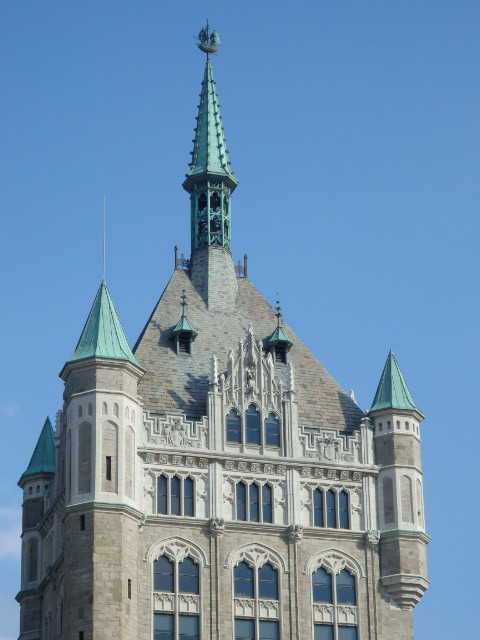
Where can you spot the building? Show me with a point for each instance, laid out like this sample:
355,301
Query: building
214,481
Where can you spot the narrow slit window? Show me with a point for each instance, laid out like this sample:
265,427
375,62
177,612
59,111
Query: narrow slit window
267,503
331,513
253,425
318,508
108,467
233,427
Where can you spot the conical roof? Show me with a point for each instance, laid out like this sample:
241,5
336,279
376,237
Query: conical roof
392,391
103,335
210,153
43,458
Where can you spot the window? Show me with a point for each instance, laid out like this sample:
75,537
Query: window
331,509
272,431
234,433
255,501
328,591
256,584
175,496
108,467
184,343
82,522
253,425
281,352
179,585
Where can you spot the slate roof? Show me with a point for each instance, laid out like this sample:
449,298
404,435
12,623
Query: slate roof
179,384
103,335
43,458
392,391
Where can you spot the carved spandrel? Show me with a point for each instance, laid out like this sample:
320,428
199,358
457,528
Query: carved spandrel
176,431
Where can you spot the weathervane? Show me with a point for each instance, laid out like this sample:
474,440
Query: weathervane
208,40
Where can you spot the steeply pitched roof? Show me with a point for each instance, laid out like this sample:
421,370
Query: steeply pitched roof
103,335
210,153
180,385
43,458
392,391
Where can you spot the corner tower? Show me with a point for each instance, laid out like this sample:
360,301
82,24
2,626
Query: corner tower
210,183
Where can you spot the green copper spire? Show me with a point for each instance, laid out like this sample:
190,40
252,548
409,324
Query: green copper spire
103,335
43,458
183,325
392,391
210,180
279,335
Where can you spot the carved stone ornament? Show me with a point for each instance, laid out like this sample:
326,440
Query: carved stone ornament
373,537
330,445
216,527
295,532
255,555
175,430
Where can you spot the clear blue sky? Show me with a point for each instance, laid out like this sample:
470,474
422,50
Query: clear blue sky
354,130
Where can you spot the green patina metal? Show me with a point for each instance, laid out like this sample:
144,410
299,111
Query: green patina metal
210,182
279,335
43,458
103,335
392,391
183,325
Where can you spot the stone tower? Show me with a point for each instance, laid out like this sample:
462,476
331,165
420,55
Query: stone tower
215,482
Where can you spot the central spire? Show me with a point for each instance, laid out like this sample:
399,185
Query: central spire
210,180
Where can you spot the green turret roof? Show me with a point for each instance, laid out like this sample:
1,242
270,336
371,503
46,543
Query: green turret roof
183,325
392,391
279,334
103,335
210,153
43,458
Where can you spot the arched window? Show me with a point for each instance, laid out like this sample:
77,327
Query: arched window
175,496
318,508
104,408
259,592
253,425
115,409
272,431
254,502
241,501
234,432
337,590
331,511
343,510
182,580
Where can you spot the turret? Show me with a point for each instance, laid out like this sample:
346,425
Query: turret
403,540
34,482
103,416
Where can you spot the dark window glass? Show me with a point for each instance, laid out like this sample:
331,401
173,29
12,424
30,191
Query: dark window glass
241,501
162,494
280,353
188,502
188,576
269,630
322,586
331,515
272,431
346,588
254,503
343,510
188,627
243,577
129,589
108,467
175,496
268,582
244,629
233,427
253,425
163,574
347,633
318,508
323,632
267,503
82,522
202,201
163,627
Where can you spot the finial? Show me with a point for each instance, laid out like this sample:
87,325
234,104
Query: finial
184,303
104,232
279,312
208,40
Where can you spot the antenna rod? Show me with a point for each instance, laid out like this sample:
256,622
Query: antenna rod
104,231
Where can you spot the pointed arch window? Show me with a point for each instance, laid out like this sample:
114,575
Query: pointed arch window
272,431
253,502
343,510
176,584
175,495
331,508
318,508
257,589
253,435
234,430
331,511
330,593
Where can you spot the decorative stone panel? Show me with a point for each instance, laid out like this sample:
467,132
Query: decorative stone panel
269,609
163,601
188,603
175,431
323,613
244,607
330,446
